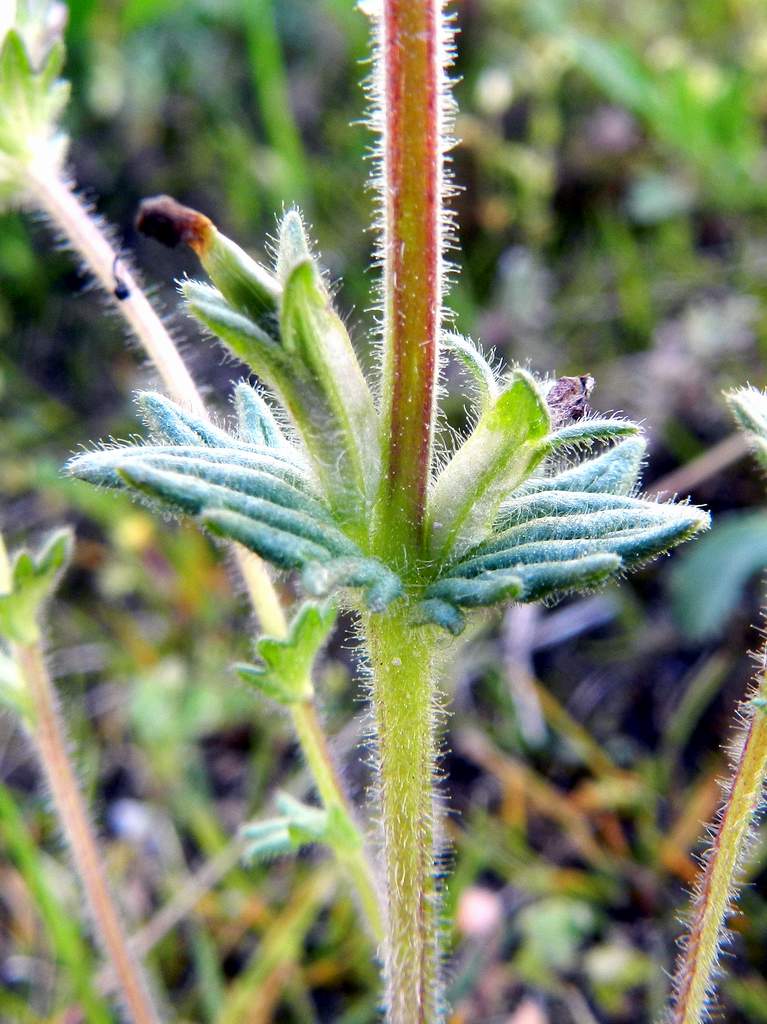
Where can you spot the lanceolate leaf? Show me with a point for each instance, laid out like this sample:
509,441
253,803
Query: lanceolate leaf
588,431
616,471
559,534
749,407
501,452
258,495
314,333
287,331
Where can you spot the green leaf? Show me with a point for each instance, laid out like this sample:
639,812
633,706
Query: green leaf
708,581
293,247
33,579
302,351
257,423
589,431
346,443
31,103
616,471
552,541
300,825
285,674
749,407
473,360
254,343
258,495
499,454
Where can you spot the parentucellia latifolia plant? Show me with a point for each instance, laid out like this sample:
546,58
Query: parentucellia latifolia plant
335,476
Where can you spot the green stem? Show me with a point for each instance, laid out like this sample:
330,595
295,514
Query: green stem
695,973
402,665
411,93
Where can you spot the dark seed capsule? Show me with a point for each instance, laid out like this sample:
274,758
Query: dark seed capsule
170,222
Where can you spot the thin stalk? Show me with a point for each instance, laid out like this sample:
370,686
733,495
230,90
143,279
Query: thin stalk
47,734
411,91
85,236
314,745
402,667
694,982
83,233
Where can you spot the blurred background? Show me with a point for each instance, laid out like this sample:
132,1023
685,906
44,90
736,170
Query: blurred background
612,220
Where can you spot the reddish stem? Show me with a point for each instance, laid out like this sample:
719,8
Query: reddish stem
411,87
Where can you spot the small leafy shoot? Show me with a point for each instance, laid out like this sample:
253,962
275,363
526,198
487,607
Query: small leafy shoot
34,577
285,672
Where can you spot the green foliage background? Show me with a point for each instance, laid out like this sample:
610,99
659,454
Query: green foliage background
612,220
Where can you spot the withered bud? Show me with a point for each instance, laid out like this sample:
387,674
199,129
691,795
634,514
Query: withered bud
568,398
170,222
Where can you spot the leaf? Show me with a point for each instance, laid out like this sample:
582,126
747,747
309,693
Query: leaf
300,825
616,471
589,431
257,423
313,333
549,542
258,495
499,454
31,103
256,344
303,352
285,674
708,581
293,247
749,407
473,360
33,579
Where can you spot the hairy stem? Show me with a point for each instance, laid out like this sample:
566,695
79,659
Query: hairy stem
695,973
402,683
411,93
83,233
86,237
48,736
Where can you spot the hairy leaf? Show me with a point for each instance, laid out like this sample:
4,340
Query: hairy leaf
34,576
616,471
285,674
259,495
749,407
499,454
31,103
552,537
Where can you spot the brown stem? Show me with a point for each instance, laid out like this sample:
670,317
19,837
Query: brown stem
48,736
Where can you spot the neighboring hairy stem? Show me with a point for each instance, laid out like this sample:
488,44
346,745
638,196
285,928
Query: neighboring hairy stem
697,967
402,666
85,236
411,93
47,734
